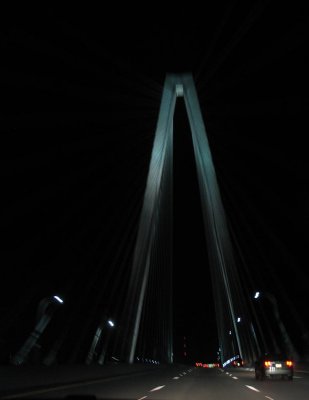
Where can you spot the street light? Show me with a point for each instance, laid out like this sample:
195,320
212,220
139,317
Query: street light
44,314
101,359
286,339
58,299
97,338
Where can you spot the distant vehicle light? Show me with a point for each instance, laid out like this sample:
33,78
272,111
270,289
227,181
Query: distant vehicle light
267,363
289,363
274,366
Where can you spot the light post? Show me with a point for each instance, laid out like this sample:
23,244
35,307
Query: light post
96,339
265,347
46,308
232,343
289,347
258,296
101,359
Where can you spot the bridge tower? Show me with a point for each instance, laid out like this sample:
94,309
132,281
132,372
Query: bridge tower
152,261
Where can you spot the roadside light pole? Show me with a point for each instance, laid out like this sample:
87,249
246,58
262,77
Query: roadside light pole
257,296
96,339
265,347
286,338
289,347
111,325
46,308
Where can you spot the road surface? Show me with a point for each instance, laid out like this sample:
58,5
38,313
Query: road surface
180,383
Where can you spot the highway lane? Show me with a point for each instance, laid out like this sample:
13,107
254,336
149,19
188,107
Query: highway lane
183,383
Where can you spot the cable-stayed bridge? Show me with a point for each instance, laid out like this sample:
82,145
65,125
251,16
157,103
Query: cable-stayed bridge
145,313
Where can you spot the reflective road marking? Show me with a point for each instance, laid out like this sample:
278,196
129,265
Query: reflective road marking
252,388
157,388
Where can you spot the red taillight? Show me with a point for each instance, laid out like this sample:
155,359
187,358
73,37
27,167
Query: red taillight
267,363
289,363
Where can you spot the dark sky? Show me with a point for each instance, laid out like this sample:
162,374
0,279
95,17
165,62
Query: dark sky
81,89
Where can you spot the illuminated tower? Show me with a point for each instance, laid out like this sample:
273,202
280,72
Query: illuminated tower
155,223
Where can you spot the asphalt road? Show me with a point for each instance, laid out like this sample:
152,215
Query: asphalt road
181,383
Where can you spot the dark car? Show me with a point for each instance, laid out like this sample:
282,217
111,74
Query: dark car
274,365
237,363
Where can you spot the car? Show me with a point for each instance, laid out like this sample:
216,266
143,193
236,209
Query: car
274,365
237,363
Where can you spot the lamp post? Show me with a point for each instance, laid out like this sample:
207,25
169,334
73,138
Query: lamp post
46,308
265,347
257,296
96,340
101,359
289,347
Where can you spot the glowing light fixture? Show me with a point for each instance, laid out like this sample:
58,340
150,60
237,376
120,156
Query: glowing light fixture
58,299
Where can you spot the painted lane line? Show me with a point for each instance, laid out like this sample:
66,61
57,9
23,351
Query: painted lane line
252,388
141,398
270,398
235,377
156,388
176,377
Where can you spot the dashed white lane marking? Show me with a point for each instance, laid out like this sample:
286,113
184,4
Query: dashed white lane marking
184,373
252,388
157,388
270,398
141,398
176,377
227,373
235,377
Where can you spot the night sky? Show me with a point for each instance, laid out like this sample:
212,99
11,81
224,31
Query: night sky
81,89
